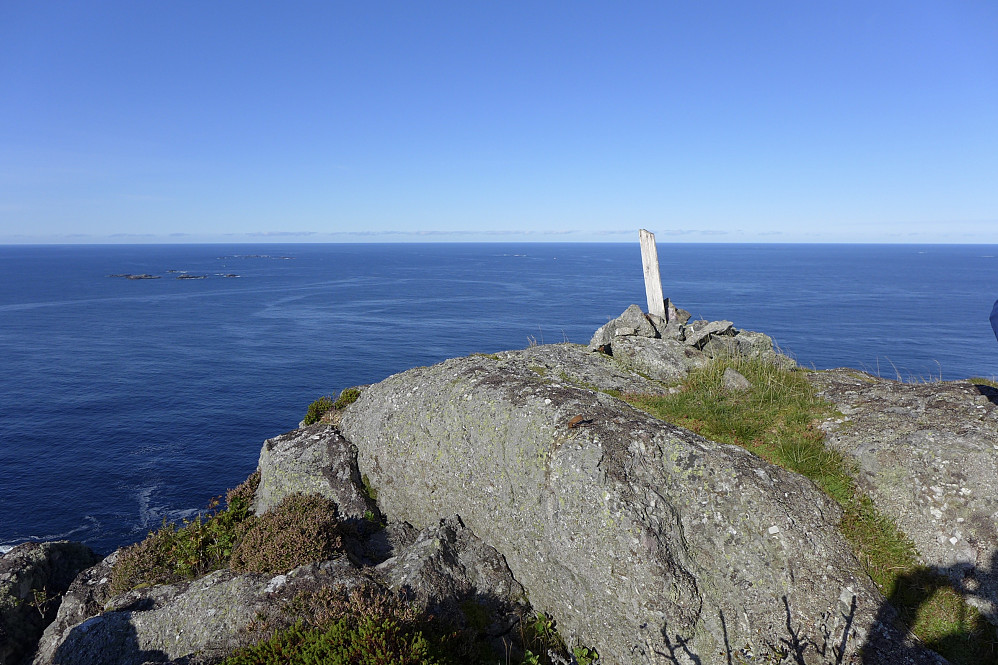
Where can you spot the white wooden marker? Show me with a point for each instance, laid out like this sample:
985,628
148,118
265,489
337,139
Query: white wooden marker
653,281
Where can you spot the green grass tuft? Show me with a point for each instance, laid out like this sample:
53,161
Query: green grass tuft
981,381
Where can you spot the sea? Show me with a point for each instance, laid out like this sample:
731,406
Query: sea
127,402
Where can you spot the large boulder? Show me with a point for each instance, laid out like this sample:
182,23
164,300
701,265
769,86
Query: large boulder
927,454
33,577
642,539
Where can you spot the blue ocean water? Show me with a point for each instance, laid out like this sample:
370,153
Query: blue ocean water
124,402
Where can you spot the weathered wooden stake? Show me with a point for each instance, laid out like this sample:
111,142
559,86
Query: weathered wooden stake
653,281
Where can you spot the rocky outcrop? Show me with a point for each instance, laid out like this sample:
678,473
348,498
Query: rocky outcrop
668,349
643,538
33,577
163,623
927,453
443,568
311,460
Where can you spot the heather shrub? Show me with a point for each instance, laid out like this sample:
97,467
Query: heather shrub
368,625
148,562
374,626
299,530
347,641
201,545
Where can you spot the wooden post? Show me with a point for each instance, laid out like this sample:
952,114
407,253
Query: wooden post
653,281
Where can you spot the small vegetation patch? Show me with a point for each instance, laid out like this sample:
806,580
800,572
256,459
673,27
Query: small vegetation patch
544,646
300,529
347,641
776,418
188,551
348,396
317,409
368,626
981,381
372,626
370,491
325,404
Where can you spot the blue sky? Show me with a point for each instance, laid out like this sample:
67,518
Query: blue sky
405,121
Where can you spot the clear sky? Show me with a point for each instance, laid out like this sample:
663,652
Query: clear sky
712,121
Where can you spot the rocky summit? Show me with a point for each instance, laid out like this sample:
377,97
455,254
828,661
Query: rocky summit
493,492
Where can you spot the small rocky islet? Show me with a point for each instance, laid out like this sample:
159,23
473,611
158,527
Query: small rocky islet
490,489
180,274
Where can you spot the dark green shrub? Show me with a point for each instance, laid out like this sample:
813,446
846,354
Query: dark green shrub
368,625
348,396
299,530
347,641
317,409
371,625
201,545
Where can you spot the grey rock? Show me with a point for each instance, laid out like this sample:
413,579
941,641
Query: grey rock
720,347
633,317
311,460
631,322
86,597
447,568
928,456
164,623
699,332
33,577
735,381
573,364
643,539
663,360
674,330
675,314
746,343
753,343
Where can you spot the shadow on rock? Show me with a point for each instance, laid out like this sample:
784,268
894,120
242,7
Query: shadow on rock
793,646
988,391
935,601
120,646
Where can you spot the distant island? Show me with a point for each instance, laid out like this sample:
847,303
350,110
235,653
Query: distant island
181,274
